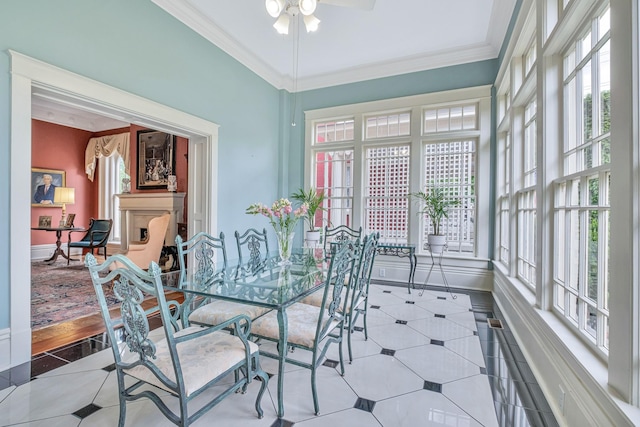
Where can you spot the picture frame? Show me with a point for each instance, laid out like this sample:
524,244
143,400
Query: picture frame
41,196
44,221
70,218
156,159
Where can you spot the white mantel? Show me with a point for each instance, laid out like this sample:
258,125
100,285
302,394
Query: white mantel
136,210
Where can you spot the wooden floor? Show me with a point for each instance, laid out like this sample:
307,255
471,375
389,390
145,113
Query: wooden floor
62,334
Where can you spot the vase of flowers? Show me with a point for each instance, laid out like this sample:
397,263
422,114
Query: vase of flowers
283,218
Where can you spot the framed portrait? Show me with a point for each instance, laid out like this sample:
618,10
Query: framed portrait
43,184
156,159
44,221
70,218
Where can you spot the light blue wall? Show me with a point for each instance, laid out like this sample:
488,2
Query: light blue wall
135,46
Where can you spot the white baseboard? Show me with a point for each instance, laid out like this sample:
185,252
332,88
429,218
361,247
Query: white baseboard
5,349
42,252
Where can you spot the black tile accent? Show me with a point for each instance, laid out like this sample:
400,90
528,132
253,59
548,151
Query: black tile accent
437,342
475,333
365,404
110,368
330,363
409,302
401,322
375,306
45,363
83,413
388,352
442,297
386,292
358,328
431,386
279,422
483,371
442,316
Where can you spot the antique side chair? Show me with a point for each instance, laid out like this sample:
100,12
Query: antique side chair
333,237
183,363
96,237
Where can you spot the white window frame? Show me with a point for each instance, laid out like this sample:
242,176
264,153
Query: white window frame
415,104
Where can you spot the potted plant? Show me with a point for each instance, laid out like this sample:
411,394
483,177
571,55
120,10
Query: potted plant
313,198
436,206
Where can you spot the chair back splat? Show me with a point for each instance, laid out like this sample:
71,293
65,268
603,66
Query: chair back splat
254,245
181,362
334,237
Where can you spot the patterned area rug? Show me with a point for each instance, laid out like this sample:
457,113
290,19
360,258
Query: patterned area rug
60,293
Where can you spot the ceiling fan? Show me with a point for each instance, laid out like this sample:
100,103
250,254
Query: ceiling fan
285,9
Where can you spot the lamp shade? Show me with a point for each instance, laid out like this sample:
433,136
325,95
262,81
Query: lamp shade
274,7
311,23
64,195
282,24
307,7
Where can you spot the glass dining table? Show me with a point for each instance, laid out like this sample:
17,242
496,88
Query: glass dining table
265,284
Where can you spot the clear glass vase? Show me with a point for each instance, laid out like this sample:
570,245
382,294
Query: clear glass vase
285,244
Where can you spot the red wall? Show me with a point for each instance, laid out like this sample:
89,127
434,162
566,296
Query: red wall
63,148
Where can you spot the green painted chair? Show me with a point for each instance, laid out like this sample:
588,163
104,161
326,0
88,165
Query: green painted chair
253,250
357,290
182,363
208,257
313,328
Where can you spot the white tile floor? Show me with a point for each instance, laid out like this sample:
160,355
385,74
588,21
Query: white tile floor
427,372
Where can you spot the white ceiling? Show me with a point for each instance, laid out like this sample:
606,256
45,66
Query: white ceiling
395,37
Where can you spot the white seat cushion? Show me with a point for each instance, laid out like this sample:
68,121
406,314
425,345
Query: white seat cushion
302,321
316,299
219,311
202,359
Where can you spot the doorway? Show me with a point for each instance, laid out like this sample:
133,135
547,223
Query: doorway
29,75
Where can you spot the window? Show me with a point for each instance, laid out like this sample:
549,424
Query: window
369,157
386,185
111,172
581,268
450,166
503,198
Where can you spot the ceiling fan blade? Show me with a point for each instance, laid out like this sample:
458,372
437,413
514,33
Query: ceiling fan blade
358,4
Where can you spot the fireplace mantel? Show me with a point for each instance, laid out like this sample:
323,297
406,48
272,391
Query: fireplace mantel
136,210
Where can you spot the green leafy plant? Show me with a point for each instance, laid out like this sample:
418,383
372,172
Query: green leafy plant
313,199
435,205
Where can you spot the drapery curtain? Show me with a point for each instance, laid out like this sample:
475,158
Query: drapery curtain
106,146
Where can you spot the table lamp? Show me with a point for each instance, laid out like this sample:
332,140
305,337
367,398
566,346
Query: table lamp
64,195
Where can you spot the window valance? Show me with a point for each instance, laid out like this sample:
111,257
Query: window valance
105,146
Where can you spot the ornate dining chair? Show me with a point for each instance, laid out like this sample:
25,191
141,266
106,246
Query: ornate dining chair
253,249
357,290
208,256
183,363
313,328
340,234
95,237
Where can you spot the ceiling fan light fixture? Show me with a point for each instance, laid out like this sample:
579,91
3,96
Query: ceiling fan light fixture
282,24
311,23
307,7
274,7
